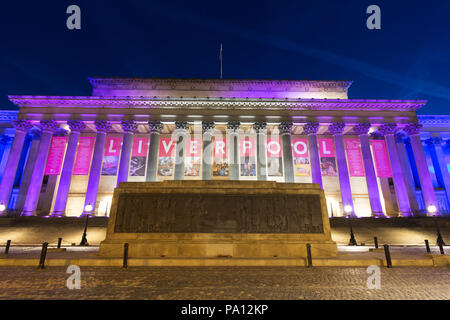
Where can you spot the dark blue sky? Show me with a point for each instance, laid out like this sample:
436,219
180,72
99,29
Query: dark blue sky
409,58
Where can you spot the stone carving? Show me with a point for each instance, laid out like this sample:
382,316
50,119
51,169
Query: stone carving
233,126
362,128
208,126
434,141
76,125
399,137
181,125
49,125
285,127
129,126
336,128
23,125
387,128
311,127
155,126
213,213
102,125
413,128
260,127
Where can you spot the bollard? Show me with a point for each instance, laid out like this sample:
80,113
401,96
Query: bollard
8,244
441,248
427,245
125,255
43,254
308,252
375,240
388,255
59,243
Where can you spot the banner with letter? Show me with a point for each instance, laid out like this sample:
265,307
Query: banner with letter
247,156
83,157
138,156
220,167
193,158
380,155
327,157
166,157
302,166
354,157
274,158
55,156
111,156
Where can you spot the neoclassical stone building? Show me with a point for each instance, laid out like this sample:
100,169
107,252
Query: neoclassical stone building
64,155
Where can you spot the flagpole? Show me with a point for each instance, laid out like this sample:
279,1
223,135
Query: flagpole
221,61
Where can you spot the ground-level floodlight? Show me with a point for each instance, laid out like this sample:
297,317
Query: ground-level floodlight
88,208
2,207
348,209
432,209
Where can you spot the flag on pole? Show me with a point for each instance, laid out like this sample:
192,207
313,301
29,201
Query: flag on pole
220,58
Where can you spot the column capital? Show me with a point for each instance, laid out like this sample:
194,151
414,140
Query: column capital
22,125
285,127
387,129
208,126
260,126
362,128
60,132
76,125
129,126
399,137
155,126
311,127
102,125
49,125
35,133
181,125
434,141
5,139
413,128
233,126
336,128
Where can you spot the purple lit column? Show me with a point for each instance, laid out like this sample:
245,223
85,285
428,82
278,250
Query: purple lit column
59,209
102,127
155,128
388,130
310,129
285,131
129,128
34,190
426,183
362,129
22,126
260,129
337,129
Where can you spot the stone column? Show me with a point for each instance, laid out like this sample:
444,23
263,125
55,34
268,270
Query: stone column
34,190
260,128
181,131
426,183
285,131
439,163
129,128
59,209
102,127
207,156
402,142
388,130
362,129
337,129
22,126
35,134
6,142
310,128
155,128
233,131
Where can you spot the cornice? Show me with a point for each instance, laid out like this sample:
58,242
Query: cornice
434,120
8,116
216,103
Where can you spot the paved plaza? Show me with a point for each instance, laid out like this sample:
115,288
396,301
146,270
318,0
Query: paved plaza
224,283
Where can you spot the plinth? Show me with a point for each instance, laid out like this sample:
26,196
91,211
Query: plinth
210,219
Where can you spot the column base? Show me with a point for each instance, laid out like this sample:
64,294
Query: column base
84,214
378,215
27,213
57,214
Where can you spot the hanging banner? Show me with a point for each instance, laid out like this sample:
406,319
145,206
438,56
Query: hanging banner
274,158
84,155
381,158
193,158
327,157
220,167
55,156
302,166
166,157
138,156
111,156
247,156
354,157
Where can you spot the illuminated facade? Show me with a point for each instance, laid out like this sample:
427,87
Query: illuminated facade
63,154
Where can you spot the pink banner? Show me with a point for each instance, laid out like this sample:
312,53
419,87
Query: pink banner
193,148
273,148
140,147
247,147
113,146
326,147
381,157
56,156
300,147
220,148
83,157
166,147
354,157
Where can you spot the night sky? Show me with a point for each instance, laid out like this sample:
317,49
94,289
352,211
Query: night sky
409,58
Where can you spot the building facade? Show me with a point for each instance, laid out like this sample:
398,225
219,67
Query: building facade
64,155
